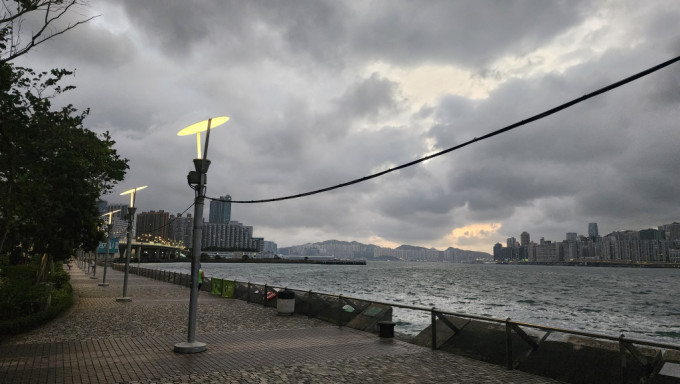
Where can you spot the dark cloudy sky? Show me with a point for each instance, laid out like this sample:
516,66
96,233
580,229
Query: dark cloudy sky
323,92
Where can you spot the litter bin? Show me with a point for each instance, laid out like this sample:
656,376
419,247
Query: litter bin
285,302
386,329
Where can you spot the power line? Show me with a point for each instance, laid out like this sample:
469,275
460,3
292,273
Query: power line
476,139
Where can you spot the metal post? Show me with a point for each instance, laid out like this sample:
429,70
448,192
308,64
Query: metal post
624,360
433,316
131,218
508,344
264,296
340,311
106,255
94,266
309,304
191,345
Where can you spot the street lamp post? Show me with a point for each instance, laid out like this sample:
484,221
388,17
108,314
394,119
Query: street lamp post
109,235
131,217
197,178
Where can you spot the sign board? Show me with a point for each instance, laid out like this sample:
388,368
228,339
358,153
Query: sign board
113,246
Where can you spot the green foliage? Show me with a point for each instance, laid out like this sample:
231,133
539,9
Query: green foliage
66,170
59,278
23,302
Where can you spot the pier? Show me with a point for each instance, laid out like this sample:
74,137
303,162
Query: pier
103,341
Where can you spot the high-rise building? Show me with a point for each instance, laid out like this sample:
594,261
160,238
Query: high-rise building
105,206
220,211
672,231
592,231
152,225
228,235
180,228
525,238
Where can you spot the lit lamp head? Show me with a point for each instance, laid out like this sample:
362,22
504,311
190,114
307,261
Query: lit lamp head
109,216
132,194
205,125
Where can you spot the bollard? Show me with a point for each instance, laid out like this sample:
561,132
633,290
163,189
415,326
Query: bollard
340,311
508,343
264,296
434,328
309,304
386,329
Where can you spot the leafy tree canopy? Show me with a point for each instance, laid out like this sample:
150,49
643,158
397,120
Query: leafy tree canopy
52,169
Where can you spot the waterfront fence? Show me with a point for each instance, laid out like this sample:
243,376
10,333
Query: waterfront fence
637,356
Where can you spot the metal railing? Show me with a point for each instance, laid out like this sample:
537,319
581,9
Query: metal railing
333,308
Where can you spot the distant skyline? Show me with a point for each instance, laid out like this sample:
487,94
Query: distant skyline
320,93
586,233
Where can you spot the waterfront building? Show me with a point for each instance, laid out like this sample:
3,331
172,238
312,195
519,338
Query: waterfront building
652,234
672,231
525,238
547,252
228,235
220,211
593,233
118,219
271,247
119,228
531,251
180,229
497,252
152,225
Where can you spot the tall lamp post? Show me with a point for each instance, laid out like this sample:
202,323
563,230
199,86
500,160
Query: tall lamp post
131,218
109,235
197,179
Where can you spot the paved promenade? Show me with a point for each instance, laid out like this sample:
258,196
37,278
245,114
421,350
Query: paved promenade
101,340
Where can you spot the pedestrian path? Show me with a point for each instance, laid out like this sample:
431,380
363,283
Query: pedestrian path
101,340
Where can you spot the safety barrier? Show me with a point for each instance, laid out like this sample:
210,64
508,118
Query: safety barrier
648,357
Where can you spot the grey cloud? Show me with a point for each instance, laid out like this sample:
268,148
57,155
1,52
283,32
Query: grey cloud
368,98
305,115
468,33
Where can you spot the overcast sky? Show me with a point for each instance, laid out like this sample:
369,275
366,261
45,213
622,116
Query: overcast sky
323,92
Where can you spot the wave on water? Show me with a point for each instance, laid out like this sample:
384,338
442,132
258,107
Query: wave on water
603,299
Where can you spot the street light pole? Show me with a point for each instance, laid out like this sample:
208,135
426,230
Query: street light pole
108,245
131,217
197,178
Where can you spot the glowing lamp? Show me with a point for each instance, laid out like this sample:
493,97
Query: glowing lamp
132,194
202,126
109,215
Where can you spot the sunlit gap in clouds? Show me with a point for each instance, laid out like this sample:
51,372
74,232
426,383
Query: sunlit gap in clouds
473,236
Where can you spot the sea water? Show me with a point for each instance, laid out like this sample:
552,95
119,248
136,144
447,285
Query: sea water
638,302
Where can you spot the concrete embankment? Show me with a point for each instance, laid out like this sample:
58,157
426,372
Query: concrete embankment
562,356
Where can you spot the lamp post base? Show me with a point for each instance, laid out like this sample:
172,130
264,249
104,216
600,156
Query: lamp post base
187,347
124,299
103,284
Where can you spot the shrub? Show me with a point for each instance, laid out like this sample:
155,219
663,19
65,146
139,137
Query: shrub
23,303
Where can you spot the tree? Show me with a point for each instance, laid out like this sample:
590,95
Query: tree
45,19
52,169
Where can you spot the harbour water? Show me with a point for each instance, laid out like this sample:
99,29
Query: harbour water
638,302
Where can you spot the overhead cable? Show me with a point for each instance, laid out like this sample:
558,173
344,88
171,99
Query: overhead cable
476,139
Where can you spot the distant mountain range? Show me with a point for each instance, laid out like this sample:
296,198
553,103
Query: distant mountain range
356,250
